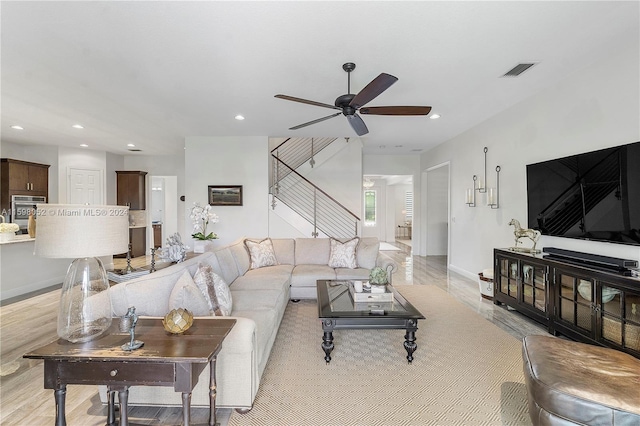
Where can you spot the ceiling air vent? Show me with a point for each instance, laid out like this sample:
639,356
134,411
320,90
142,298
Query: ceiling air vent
134,150
519,69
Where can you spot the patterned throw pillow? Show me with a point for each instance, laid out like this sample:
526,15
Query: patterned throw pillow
261,253
187,295
343,255
214,290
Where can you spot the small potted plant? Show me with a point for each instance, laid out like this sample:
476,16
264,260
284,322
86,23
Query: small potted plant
378,276
201,217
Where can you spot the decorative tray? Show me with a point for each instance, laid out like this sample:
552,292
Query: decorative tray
367,296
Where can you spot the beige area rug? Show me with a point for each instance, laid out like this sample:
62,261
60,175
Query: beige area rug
466,371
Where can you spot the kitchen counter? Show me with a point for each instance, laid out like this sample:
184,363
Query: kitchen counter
137,226
22,238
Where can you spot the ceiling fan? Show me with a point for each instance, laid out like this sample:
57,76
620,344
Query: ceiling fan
350,104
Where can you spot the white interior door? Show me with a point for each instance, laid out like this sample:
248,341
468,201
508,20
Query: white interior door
85,187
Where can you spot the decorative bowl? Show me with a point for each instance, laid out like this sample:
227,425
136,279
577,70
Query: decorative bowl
177,321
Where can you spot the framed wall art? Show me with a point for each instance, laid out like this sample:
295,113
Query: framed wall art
225,195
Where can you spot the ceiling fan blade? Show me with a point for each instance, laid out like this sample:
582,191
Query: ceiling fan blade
396,110
357,124
309,123
373,89
306,101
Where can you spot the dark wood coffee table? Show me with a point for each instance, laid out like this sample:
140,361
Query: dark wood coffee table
337,310
164,360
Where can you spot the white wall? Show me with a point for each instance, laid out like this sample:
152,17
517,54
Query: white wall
437,211
232,160
593,109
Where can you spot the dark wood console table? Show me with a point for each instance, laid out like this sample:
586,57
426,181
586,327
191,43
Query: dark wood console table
581,302
164,360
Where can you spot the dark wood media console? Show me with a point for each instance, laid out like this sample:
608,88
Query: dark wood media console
582,302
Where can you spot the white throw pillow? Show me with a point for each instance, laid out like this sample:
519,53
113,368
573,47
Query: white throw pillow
187,295
343,255
261,253
215,291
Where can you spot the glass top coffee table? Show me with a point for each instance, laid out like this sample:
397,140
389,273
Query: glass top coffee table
337,310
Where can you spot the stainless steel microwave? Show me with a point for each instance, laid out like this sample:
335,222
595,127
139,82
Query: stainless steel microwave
21,206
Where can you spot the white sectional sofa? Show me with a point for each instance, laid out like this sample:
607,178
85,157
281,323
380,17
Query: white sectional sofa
260,297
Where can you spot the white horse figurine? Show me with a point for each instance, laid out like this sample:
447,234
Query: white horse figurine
520,232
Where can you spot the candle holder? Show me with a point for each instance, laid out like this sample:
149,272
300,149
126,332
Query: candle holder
493,196
471,194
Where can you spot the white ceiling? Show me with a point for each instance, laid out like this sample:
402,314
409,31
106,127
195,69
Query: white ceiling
153,73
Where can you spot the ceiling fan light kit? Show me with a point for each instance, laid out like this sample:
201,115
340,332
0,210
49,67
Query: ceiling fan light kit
350,104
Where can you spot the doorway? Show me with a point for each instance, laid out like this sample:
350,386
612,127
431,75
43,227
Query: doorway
437,210
163,208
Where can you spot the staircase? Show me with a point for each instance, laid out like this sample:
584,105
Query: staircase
289,187
571,207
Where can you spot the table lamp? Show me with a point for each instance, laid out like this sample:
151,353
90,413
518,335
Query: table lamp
82,232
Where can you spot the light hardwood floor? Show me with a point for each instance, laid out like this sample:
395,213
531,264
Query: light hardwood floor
29,323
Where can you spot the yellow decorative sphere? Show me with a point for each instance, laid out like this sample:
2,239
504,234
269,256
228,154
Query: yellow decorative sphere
177,321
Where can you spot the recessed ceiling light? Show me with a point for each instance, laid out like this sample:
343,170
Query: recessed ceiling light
17,127
84,145
239,117
434,116
77,126
130,145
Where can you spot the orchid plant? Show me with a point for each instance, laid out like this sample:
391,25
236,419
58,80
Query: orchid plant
201,217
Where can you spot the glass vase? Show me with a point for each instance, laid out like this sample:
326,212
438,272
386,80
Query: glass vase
85,302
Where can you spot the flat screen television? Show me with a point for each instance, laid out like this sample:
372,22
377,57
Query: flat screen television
592,196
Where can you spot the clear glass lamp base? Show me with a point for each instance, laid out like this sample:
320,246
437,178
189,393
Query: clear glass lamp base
85,303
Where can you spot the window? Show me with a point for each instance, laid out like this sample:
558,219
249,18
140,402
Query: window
408,205
370,207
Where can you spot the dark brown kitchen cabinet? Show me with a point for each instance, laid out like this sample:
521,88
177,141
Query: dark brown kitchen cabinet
131,189
138,241
157,235
19,177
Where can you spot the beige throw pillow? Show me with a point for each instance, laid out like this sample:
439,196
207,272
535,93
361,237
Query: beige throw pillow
343,255
214,289
261,253
187,295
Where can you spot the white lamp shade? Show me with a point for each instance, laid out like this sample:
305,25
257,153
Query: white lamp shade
78,231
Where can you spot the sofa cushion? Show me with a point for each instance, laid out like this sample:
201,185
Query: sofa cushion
187,295
367,252
307,275
312,251
285,250
261,253
267,278
228,268
343,254
241,255
352,274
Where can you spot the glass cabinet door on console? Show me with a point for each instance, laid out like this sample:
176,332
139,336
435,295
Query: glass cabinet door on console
507,277
534,278
619,317
576,299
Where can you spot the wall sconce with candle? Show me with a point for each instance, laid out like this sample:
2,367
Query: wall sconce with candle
471,193
493,196
482,182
